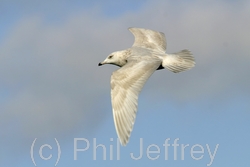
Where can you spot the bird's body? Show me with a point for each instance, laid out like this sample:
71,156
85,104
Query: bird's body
137,64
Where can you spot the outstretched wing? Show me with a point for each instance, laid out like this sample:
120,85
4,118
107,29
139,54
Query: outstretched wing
149,39
126,83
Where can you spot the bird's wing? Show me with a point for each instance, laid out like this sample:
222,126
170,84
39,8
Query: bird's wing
126,83
149,39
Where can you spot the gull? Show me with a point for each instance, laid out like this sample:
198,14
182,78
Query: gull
138,63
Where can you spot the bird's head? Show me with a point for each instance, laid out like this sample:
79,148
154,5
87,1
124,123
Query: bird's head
118,58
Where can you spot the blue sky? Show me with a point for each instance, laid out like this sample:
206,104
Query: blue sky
51,86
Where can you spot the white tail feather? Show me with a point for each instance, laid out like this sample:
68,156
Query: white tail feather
178,62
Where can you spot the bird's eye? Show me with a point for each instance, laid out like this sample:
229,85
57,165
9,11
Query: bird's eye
110,56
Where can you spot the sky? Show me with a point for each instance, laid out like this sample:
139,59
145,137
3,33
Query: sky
55,104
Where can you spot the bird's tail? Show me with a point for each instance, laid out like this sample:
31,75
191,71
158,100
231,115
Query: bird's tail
178,62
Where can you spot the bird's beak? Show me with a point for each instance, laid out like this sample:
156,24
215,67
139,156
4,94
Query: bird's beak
100,64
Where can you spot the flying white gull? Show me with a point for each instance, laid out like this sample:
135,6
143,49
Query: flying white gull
137,64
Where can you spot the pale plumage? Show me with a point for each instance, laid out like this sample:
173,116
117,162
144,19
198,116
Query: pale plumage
137,64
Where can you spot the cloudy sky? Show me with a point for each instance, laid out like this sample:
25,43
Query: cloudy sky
51,86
